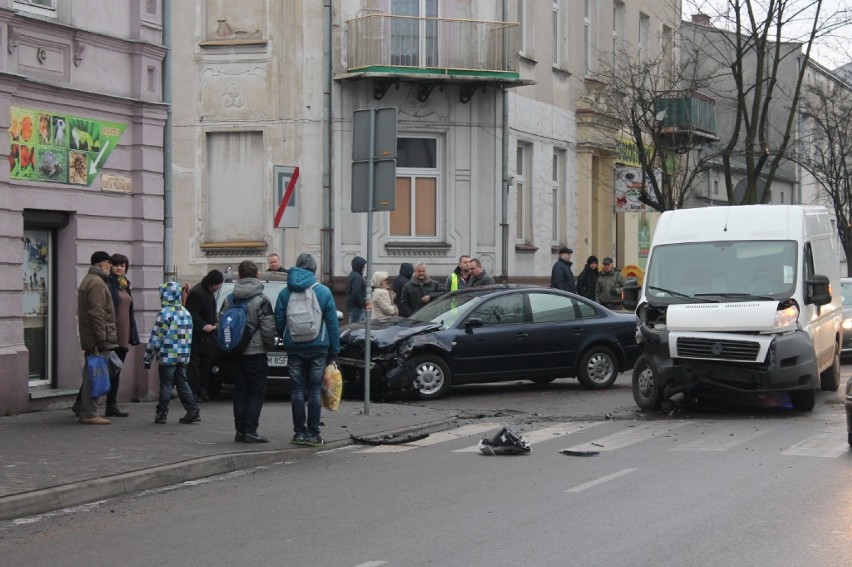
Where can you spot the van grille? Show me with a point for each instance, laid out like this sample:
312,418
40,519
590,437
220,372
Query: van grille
690,347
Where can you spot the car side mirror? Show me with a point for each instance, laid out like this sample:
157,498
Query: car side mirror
818,290
473,322
630,295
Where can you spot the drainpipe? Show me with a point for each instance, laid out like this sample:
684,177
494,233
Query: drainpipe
168,213
504,158
327,228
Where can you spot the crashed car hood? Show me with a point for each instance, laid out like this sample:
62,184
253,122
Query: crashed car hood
731,317
386,334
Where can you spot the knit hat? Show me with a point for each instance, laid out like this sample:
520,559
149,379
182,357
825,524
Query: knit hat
100,256
592,260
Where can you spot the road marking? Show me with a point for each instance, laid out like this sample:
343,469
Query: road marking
434,438
628,437
371,564
544,434
601,480
823,444
722,440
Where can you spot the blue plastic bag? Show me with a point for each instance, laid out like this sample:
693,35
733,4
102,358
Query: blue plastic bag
97,367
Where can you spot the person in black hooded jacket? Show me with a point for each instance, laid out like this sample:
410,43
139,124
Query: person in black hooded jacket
356,291
406,270
587,281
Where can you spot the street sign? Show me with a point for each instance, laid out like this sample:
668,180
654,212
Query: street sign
286,182
384,134
384,185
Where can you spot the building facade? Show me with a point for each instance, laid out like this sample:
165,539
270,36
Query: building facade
82,99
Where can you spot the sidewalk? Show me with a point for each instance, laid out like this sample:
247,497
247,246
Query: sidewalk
50,461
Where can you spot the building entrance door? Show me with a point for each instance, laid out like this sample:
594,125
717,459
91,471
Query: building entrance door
37,305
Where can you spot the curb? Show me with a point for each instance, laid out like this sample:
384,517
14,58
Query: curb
84,492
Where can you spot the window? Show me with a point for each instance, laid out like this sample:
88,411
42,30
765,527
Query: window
414,37
43,7
37,302
551,308
236,187
523,194
417,182
644,36
557,35
557,192
617,32
503,310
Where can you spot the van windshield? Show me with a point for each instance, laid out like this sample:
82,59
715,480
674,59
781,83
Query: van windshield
723,271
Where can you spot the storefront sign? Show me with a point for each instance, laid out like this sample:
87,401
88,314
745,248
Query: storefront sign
59,148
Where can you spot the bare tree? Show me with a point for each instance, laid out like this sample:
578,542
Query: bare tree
827,150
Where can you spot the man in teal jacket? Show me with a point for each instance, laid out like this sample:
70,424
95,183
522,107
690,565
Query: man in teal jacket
307,360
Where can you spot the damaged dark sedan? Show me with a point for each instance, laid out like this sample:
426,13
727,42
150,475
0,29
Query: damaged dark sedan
492,334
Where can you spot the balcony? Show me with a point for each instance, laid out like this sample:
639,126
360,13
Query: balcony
431,52
688,120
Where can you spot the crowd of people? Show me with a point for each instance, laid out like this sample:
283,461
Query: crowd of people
183,338
604,286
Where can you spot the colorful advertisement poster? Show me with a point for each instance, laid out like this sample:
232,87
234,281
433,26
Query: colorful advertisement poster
59,148
628,186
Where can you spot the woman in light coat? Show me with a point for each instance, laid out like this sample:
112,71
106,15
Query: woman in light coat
383,305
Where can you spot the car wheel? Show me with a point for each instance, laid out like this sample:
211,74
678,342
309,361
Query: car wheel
829,379
598,368
647,390
803,400
542,381
431,377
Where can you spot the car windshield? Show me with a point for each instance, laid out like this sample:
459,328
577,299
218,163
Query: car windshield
846,287
445,310
722,271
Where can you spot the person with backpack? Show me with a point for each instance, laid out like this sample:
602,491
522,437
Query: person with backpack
306,316
246,333
171,342
356,291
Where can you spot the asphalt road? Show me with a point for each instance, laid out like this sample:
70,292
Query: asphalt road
708,485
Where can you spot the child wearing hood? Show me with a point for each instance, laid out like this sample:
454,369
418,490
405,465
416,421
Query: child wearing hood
171,342
356,291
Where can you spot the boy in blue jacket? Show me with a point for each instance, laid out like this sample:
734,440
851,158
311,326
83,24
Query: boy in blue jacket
171,341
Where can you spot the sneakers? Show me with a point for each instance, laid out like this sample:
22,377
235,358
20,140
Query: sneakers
314,441
192,416
298,439
95,420
239,437
254,438
161,417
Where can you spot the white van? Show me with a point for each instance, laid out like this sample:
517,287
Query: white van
740,299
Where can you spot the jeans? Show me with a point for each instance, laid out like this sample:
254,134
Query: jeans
357,315
175,375
306,372
249,376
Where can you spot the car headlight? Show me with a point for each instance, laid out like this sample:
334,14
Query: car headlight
786,316
847,324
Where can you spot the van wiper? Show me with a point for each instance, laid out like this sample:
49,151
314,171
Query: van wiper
683,295
738,296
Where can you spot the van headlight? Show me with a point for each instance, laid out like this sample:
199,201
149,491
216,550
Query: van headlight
847,324
786,316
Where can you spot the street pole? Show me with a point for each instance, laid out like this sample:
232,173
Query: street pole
368,311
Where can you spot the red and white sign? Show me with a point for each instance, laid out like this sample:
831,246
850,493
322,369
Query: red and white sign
288,194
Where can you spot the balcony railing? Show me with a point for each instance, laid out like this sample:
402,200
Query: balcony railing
695,114
405,45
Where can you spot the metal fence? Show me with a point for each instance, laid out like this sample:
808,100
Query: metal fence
432,43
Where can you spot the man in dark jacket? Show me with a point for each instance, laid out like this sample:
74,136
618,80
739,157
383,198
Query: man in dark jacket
587,281
406,270
96,327
561,277
201,304
356,291
419,291
478,275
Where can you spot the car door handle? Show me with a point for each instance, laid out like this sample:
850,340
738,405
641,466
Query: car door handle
577,330
522,335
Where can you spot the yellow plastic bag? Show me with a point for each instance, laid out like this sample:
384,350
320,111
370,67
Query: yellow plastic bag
332,387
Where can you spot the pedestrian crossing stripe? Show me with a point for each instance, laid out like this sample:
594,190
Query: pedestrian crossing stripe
827,444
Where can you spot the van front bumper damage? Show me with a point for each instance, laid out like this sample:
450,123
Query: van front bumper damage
737,363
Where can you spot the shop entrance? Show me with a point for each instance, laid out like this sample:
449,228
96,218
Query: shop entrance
37,303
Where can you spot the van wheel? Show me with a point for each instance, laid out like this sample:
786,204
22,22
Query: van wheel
803,400
598,368
431,377
647,389
829,379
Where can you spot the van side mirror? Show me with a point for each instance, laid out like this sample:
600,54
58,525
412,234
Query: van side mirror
630,296
818,290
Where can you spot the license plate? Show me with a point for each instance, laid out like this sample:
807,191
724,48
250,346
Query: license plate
276,359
